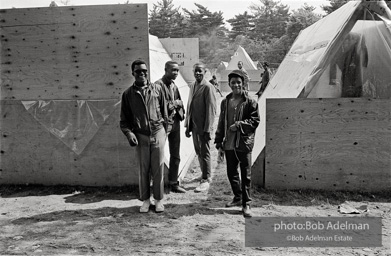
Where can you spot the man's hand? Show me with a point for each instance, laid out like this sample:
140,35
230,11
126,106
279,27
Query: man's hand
187,133
178,103
132,139
234,127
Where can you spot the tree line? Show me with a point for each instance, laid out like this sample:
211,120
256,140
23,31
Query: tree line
266,30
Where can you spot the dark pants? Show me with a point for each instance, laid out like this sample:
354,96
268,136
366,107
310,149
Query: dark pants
240,184
174,141
150,152
202,149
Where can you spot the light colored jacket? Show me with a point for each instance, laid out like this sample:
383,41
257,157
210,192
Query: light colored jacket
201,108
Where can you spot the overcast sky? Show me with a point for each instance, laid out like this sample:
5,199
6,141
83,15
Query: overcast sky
230,8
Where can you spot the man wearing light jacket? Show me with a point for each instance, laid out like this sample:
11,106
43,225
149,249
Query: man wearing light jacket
201,112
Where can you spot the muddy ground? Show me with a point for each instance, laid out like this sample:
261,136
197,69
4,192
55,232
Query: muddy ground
63,220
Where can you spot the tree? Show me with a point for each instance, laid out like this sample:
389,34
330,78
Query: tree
242,24
270,19
334,5
299,20
165,20
209,28
202,21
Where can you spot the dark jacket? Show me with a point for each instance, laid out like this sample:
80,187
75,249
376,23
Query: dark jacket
248,115
201,108
265,79
143,116
175,112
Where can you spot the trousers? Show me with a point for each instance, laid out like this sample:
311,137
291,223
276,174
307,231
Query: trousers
150,152
174,142
202,149
240,184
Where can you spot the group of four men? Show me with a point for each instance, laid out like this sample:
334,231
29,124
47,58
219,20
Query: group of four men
152,112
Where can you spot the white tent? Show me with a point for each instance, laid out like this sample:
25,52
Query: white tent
241,55
313,66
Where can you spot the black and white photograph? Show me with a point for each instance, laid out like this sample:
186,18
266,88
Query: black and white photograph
185,127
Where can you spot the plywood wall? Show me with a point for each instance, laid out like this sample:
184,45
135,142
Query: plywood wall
80,52
68,54
330,144
30,154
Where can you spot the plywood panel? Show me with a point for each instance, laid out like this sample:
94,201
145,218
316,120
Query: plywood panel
80,52
331,144
31,154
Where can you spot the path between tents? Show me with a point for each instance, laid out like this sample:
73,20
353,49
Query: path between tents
37,220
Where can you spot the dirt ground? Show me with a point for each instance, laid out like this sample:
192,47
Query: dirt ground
63,220
36,220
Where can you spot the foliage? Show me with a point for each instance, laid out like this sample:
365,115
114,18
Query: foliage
165,20
266,31
334,5
299,20
270,19
242,24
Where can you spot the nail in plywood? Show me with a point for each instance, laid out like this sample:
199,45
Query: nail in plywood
69,54
80,52
330,144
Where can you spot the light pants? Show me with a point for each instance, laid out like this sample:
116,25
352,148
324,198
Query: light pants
150,152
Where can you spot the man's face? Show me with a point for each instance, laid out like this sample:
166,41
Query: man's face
140,73
240,65
172,71
236,85
199,72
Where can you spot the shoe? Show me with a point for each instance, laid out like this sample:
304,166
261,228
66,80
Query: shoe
204,186
234,202
159,207
145,207
247,213
177,189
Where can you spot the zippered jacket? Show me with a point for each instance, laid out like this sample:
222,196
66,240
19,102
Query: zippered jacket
145,116
248,120
171,93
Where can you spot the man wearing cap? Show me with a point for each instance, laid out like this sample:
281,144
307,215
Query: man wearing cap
265,78
238,120
201,111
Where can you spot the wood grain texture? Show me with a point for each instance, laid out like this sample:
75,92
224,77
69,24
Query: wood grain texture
80,52
331,144
31,154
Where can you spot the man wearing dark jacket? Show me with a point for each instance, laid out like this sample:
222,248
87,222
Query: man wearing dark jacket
175,115
265,79
239,118
143,121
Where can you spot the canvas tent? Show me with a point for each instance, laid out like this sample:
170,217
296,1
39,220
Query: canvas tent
241,55
305,71
251,68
